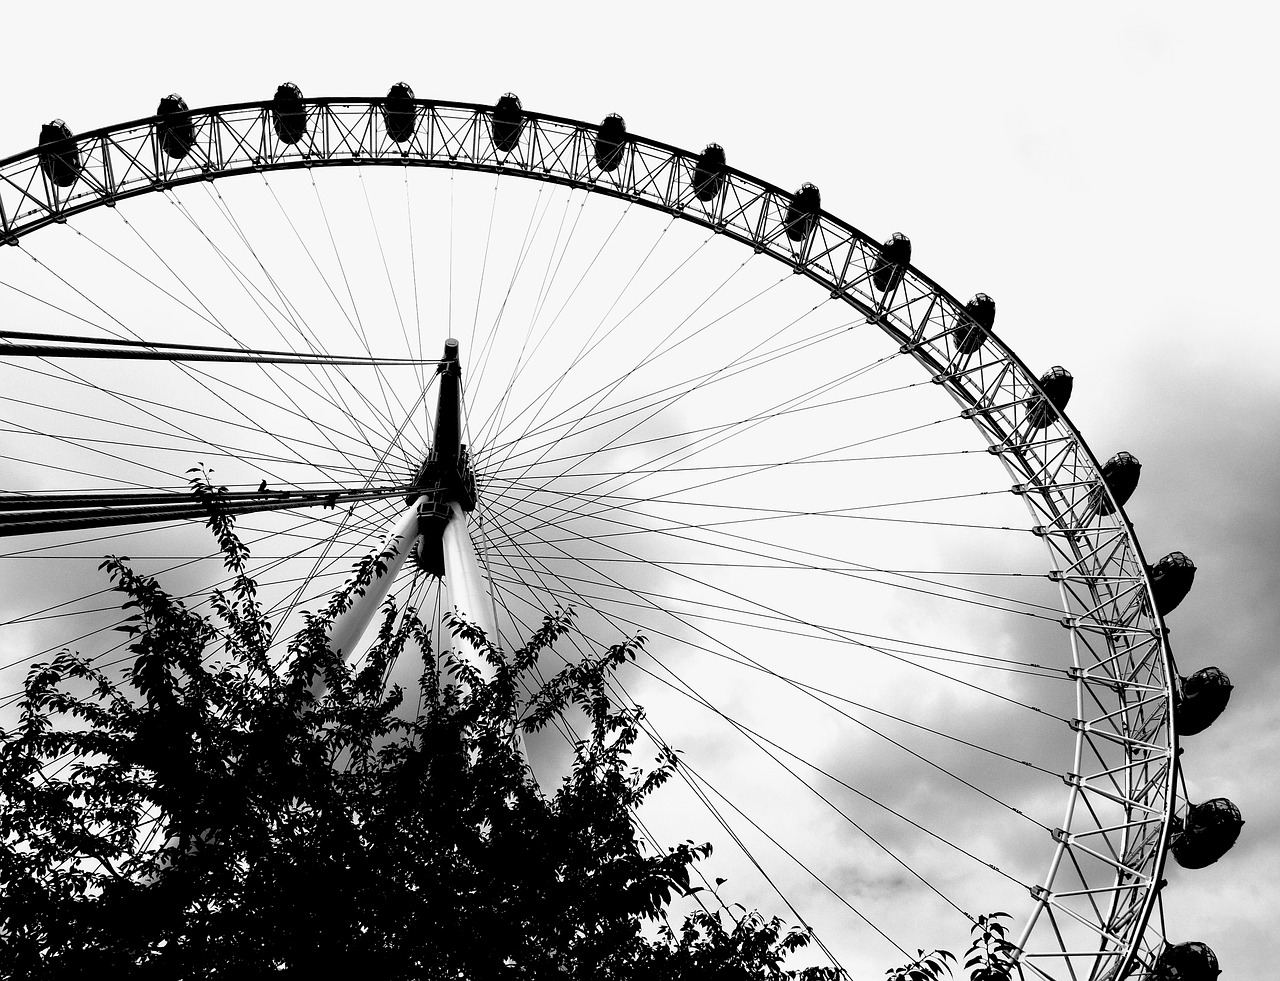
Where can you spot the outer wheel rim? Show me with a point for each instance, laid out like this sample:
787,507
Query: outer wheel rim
1103,578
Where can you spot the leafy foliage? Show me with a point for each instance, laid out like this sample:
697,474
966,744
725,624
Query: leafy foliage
991,953
926,967
706,949
224,812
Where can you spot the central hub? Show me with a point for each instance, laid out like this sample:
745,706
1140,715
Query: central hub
445,477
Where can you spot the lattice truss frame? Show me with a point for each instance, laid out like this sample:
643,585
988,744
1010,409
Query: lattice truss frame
1123,796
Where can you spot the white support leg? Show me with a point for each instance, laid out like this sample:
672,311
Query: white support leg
468,589
471,597
349,626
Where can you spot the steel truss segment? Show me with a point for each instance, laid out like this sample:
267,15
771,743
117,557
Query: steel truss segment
917,335
1089,923
1157,772
1096,553
1065,485
1105,586
1080,531
1127,671
1035,969
1114,683
1131,743
1095,614
829,254
1128,792
1125,708
1015,446
1057,466
1136,720
1091,955
1138,751
1109,609
1073,843
1109,658
1068,893
965,365
1108,628
1080,783
1156,763
1092,580
1112,829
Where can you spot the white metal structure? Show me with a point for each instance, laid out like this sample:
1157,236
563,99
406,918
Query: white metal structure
640,481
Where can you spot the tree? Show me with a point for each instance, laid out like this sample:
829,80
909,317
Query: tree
218,818
926,967
991,954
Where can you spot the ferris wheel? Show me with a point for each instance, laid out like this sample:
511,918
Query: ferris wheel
897,624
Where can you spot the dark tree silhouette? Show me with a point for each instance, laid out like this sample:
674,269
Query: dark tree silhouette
210,815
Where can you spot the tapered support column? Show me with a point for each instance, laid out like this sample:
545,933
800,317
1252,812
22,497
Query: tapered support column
350,625
468,589
469,594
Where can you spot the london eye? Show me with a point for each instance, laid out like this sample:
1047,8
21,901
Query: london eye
897,624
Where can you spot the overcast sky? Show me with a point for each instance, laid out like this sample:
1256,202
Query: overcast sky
1105,171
